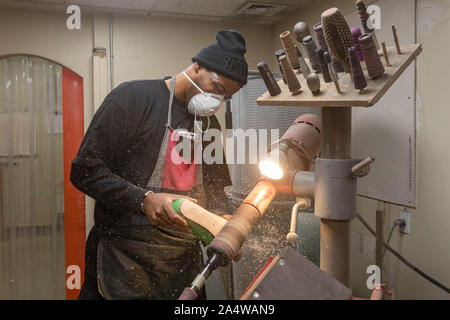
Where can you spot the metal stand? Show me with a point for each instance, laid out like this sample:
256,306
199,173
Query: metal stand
336,145
335,235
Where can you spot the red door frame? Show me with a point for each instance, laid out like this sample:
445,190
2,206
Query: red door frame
74,200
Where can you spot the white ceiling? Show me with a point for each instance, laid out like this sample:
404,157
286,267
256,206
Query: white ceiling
197,9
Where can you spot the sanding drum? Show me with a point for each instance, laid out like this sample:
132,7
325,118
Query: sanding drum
303,65
313,82
310,48
358,75
364,17
323,65
322,43
356,33
301,30
278,54
318,30
269,80
290,49
292,81
375,67
337,35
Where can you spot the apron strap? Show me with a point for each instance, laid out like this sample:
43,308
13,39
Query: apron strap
156,177
172,93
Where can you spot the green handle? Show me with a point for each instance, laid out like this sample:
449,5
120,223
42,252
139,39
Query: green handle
203,234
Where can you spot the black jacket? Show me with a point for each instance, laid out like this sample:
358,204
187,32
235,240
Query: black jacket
120,149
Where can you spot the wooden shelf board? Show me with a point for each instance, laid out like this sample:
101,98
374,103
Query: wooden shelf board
328,96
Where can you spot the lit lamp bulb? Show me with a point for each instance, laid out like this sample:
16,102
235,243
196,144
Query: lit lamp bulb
298,146
270,169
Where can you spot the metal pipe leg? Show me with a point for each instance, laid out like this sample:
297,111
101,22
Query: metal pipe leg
335,235
335,249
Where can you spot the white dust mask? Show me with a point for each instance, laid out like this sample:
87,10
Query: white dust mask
204,104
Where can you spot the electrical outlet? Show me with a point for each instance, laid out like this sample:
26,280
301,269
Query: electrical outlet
407,217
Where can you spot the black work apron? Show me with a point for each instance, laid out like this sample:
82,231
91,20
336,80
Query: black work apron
150,262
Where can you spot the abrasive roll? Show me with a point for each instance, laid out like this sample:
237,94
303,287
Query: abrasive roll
337,66
301,30
318,30
323,65
303,65
337,35
278,54
375,67
322,44
358,76
363,15
356,33
313,82
310,48
269,80
292,81
290,49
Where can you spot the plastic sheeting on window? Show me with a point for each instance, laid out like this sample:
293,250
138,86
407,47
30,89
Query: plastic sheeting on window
31,179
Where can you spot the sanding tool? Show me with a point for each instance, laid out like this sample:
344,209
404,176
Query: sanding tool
297,149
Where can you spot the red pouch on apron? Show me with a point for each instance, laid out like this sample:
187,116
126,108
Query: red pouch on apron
179,173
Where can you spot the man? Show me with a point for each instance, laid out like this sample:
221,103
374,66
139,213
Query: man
139,247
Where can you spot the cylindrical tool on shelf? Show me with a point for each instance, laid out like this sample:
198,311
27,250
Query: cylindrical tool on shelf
292,81
278,54
337,35
269,80
323,65
337,66
359,79
313,82
375,67
290,49
301,30
303,65
356,33
333,73
364,17
322,43
310,48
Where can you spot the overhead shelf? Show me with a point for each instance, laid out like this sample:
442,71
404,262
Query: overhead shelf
350,97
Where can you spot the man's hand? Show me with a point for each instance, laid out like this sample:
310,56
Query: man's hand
158,209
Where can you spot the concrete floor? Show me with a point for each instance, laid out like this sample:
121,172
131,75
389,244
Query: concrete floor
35,269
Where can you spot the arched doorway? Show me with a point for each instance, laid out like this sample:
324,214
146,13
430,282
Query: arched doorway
42,216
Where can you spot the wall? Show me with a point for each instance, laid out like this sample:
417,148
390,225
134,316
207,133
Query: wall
45,34
428,244
144,48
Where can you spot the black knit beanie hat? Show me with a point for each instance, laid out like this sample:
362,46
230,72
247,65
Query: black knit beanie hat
226,57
